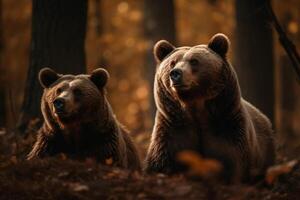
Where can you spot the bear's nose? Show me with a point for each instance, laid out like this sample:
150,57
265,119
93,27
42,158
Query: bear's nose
176,75
59,104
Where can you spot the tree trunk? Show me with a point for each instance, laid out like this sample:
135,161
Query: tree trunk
159,20
289,89
58,36
2,72
101,62
99,17
254,55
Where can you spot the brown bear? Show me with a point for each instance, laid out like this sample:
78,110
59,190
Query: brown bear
200,108
79,121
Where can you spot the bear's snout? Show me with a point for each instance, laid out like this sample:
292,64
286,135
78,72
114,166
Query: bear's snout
59,104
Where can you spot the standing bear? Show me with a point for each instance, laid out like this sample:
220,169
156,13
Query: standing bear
200,108
79,121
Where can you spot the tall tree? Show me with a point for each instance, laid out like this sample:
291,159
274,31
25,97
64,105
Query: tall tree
254,54
99,18
159,20
58,36
288,91
2,71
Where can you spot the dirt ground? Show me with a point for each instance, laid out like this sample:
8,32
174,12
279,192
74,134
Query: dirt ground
61,178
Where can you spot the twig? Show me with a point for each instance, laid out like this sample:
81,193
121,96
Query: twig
286,43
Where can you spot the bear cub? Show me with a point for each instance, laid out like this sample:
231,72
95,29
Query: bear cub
200,108
79,121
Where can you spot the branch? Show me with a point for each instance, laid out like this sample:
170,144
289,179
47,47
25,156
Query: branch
286,43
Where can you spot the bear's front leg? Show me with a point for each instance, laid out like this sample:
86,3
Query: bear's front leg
39,148
158,159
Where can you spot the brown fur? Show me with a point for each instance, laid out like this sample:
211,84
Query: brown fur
206,113
88,127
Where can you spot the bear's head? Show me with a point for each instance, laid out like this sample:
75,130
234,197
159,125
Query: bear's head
70,99
197,72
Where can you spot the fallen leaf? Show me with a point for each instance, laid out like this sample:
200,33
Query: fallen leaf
135,175
14,147
90,162
183,190
198,165
2,131
63,174
275,171
14,159
141,195
63,156
78,187
109,161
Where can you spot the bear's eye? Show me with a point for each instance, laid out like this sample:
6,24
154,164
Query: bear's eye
77,92
173,63
59,90
194,62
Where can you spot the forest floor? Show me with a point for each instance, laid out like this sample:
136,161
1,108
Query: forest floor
62,178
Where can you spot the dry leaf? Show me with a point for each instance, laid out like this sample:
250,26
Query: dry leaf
110,175
63,156
109,161
63,174
183,190
78,187
2,131
275,171
14,159
135,175
14,147
90,162
200,166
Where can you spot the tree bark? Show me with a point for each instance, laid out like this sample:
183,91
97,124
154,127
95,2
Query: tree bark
2,72
58,36
254,54
159,21
288,87
101,62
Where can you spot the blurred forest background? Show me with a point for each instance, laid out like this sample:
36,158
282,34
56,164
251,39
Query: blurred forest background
78,36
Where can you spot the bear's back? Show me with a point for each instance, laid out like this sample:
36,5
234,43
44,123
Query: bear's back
263,133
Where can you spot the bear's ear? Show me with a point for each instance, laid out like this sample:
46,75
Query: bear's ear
99,77
219,43
47,77
161,49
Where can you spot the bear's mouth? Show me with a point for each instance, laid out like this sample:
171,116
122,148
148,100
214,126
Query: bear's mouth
180,87
61,114
65,118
